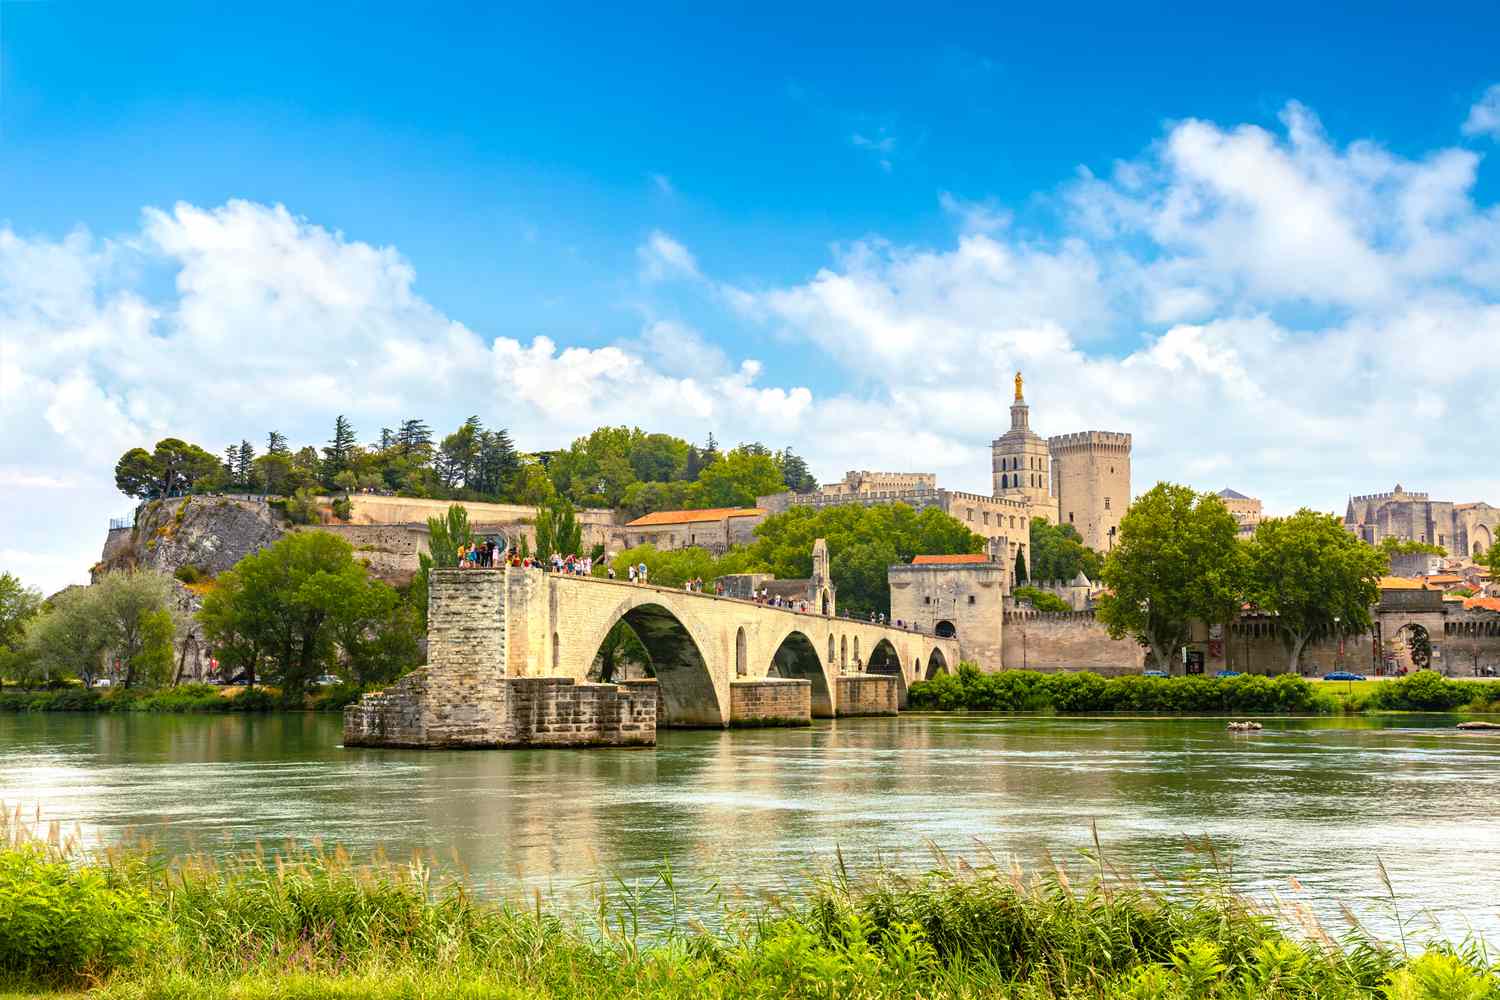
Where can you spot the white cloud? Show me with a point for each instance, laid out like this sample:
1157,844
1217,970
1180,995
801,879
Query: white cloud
1294,318
1484,116
882,145
662,258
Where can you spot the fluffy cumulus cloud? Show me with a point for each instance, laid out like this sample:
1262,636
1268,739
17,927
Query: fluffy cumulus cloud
1484,116
1263,308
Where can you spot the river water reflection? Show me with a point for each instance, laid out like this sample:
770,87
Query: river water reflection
1317,800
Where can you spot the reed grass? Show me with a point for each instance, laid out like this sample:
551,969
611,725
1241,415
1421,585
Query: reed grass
318,923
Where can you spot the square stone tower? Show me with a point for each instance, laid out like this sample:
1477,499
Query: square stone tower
1091,480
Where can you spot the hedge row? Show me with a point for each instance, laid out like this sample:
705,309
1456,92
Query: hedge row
1074,693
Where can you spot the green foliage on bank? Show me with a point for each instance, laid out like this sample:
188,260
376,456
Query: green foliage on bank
1086,693
972,690
318,925
186,698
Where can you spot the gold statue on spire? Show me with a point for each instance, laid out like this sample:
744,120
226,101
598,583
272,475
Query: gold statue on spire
1018,387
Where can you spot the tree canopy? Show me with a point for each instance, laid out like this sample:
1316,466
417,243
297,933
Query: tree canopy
1058,553
303,607
1177,560
174,467
1314,577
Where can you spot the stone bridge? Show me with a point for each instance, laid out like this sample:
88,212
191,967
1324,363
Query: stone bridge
701,644
510,652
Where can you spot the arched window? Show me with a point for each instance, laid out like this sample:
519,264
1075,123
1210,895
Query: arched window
1005,484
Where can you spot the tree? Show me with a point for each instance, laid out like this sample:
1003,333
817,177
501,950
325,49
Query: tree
66,640
658,458
18,605
497,464
1020,569
339,453
621,646
276,443
289,604
302,507
244,463
1490,559
1058,553
1390,545
558,531
863,543
458,456
126,606
1177,561
531,485
414,439
174,467
1313,577
795,474
272,472
1041,600
736,480
446,534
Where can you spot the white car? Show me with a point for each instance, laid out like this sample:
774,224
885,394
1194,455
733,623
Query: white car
102,682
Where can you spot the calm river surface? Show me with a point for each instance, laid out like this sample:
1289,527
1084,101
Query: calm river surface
1314,800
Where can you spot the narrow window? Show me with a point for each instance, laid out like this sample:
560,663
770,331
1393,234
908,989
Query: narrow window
971,598
1106,503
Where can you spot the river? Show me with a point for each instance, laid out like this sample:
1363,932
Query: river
1315,800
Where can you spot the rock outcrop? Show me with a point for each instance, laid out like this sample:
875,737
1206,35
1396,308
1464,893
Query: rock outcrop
210,534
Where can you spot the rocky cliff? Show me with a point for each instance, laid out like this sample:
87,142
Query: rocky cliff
208,533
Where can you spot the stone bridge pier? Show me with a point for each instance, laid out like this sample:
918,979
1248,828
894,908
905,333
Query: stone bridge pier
510,651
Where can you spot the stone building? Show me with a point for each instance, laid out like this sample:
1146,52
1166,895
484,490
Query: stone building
1246,510
714,529
1081,479
1466,529
954,596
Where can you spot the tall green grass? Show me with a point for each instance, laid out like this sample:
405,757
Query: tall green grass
317,924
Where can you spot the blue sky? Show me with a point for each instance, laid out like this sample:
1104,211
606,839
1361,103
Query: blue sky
1017,177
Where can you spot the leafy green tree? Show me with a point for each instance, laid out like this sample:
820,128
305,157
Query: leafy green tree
290,603
18,605
1393,546
126,606
272,472
1178,560
458,455
1490,559
174,467
339,453
795,475
657,458
302,508
1313,577
414,439
863,542
531,485
674,567
151,665
276,443
447,534
646,498
558,531
1041,600
1058,553
497,465
736,480
66,640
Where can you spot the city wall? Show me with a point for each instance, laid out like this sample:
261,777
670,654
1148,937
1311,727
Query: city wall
1066,640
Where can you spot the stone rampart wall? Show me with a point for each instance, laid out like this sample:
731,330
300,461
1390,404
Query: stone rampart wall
773,701
868,694
1073,640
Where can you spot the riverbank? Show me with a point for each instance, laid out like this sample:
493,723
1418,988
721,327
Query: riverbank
191,698
1090,694
317,924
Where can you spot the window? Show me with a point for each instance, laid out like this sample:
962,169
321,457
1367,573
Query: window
926,600
1070,517
1106,503
986,517
971,598
969,513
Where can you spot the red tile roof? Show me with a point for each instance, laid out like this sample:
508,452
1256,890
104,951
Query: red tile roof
693,516
1482,603
953,560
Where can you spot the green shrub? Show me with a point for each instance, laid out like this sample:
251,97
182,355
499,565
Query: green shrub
1423,691
189,573
255,699
64,922
1081,692
342,509
337,697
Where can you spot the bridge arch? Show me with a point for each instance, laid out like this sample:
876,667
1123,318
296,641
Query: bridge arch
937,663
685,682
797,658
886,661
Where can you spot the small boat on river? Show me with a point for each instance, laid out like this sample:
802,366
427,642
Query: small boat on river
1245,727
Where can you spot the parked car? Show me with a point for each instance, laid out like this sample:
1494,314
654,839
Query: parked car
1343,675
1154,673
102,682
1227,673
325,680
